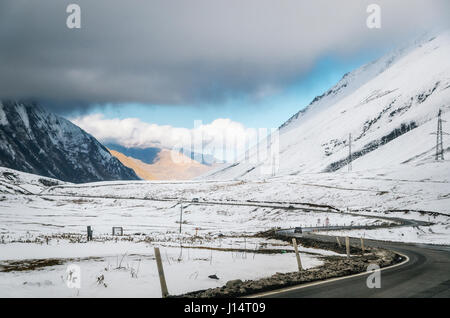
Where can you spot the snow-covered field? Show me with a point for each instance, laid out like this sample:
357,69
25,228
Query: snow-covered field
423,186
47,227
40,235
129,268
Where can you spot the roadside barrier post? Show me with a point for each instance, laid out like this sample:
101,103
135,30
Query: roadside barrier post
299,262
362,245
162,279
339,242
347,245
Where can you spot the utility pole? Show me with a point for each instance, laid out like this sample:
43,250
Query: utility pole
439,138
349,164
273,165
181,215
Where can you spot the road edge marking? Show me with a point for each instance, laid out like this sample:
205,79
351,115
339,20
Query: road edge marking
288,289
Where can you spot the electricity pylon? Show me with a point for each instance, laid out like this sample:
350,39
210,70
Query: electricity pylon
439,138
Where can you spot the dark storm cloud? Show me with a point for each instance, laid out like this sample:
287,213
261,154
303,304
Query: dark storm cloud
167,51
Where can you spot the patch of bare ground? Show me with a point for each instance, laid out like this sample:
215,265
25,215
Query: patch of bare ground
36,264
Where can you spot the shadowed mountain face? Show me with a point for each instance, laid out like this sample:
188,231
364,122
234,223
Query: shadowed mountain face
36,141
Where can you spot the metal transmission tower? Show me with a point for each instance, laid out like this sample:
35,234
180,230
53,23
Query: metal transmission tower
439,140
439,144
349,163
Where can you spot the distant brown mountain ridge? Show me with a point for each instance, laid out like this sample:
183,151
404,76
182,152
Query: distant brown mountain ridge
167,165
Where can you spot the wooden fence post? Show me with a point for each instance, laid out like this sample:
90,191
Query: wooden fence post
362,246
162,279
347,245
339,242
299,262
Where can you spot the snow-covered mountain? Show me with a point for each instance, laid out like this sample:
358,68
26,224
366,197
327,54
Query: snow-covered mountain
36,141
389,107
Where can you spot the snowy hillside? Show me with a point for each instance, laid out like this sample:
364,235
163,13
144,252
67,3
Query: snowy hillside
35,141
16,182
389,107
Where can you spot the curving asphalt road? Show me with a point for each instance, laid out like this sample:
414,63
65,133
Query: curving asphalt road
426,274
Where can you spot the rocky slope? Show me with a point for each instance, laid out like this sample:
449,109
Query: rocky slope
35,141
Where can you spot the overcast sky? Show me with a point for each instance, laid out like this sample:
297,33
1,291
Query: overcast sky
187,52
